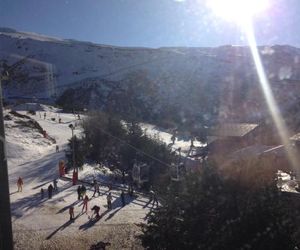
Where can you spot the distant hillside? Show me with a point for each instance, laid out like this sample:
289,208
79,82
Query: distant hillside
170,84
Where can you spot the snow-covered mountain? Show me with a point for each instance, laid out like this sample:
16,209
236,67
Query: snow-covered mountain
186,78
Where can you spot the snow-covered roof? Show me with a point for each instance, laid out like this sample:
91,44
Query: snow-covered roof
233,129
251,151
295,137
276,150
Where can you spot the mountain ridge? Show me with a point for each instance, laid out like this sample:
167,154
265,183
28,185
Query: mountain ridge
182,80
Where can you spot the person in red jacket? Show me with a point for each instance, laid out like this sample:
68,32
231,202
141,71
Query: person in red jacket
85,203
20,184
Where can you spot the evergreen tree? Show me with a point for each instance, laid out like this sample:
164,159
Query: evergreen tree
109,140
80,152
207,211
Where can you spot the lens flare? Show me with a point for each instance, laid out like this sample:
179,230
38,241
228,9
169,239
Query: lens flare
242,12
237,10
268,94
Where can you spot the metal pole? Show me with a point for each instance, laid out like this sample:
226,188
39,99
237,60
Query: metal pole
6,238
73,146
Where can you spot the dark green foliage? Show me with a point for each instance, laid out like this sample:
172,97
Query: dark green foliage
80,152
69,100
207,211
103,135
138,97
118,144
135,98
151,151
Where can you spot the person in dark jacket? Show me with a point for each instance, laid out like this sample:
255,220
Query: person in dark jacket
42,193
96,210
55,184
109,199
83,191
79,192
50,191
71,213
123,199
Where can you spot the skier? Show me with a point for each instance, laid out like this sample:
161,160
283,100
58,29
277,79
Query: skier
59,120
153,198
79,192
173,139
123,199
96,188
123,177
42,193
57,148
55,184
83,191
96,210
50,190
61,168
20,184
45,115
109,199
45,133
74,177
85,203
130,190
109,187
71,212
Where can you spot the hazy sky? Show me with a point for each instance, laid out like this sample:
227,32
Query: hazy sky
151,23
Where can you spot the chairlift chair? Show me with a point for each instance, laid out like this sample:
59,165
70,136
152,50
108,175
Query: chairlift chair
193,151
140,173
135,172
144,173
177,171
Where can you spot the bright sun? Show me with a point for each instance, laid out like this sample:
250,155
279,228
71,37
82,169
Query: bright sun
237,10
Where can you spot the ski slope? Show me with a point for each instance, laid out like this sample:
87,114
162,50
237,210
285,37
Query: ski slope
35,159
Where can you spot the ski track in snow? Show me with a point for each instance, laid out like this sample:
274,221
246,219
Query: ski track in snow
35,160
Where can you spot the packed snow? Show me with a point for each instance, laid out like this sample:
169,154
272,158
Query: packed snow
34,158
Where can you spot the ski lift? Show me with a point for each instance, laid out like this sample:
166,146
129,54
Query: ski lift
192,151
177,171
140,173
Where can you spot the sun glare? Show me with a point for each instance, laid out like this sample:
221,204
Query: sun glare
242,12
237,10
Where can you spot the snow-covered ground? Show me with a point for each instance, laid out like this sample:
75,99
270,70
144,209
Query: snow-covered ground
286,182
182,142
35,159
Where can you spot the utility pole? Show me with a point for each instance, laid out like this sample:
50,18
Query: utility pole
71,126
6,238
75,170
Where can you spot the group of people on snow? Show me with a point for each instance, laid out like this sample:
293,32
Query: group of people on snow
50,189
81,192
